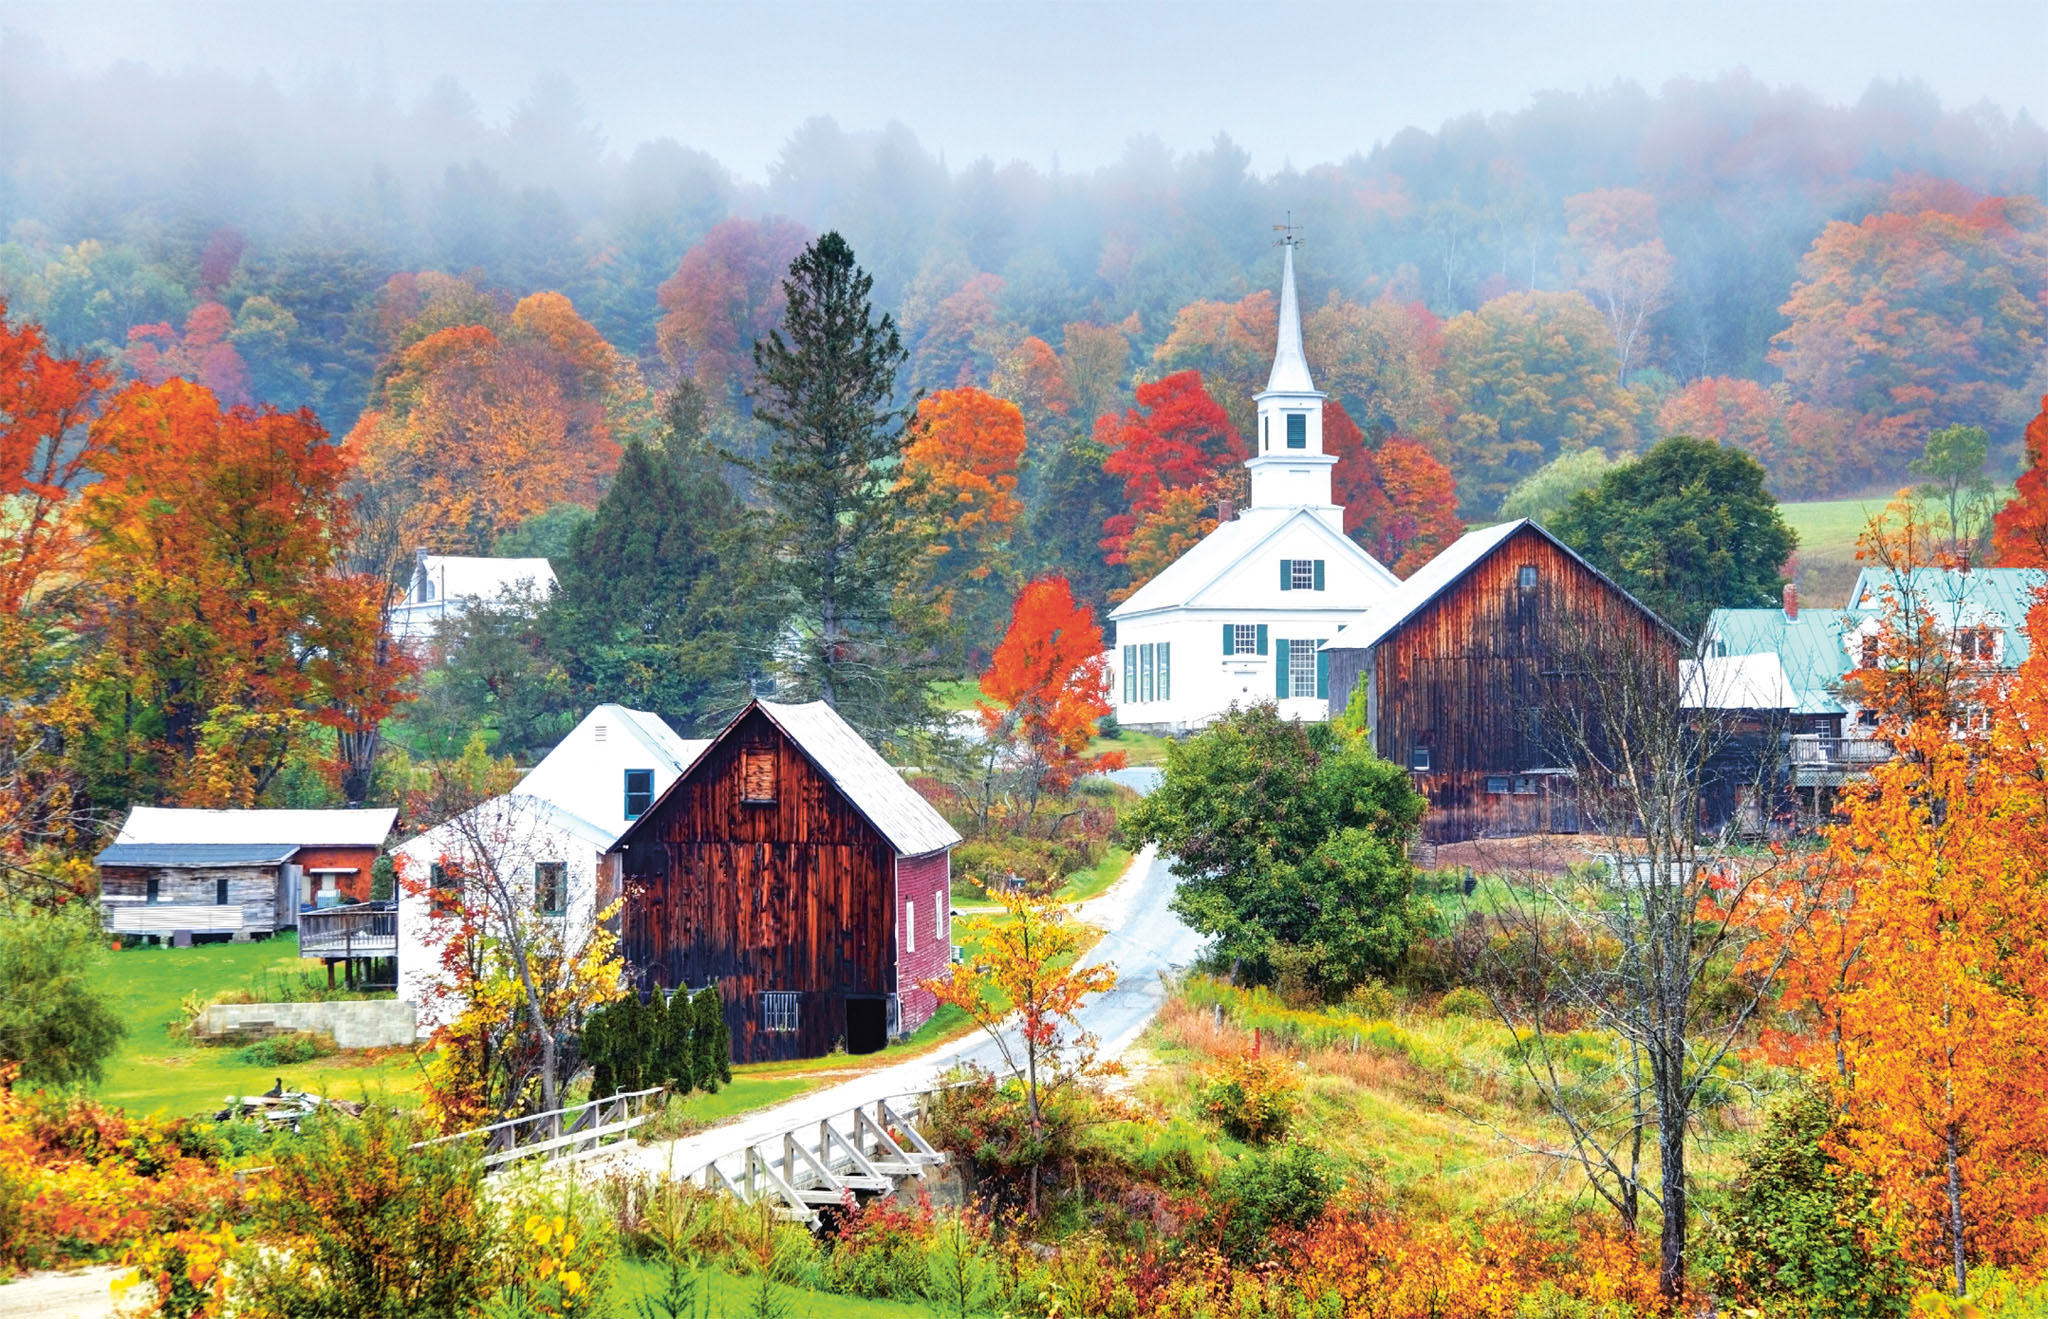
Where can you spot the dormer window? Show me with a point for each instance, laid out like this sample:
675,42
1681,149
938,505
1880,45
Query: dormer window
639,792
1297,430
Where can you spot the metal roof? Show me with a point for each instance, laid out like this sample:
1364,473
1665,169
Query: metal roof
1290,364
1736,682
652,730
477,577
1811,648
170,824
196,856
1229,545
910,823
1993,597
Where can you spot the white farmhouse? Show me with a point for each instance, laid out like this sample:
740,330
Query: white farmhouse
550,834
1239,618
445,586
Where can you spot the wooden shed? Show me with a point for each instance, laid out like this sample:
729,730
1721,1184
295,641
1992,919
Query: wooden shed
239,873
1458,663
793,868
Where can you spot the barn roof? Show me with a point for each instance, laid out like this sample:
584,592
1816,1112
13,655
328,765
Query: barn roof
196,856
1443,572
910,823
179,825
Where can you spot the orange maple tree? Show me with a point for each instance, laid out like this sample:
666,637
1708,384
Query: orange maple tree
1045,689
1174,525
222,626
1400,503
1032,376
45,451
961,468
2019,532
202,354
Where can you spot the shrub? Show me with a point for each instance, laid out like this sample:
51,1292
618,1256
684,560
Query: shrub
368,1226
558,1256
879,1249
186,1273
1371,999
299,1046
1464,1001
1252,1098
54,1023
1287,1187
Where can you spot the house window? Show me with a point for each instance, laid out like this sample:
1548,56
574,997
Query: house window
1162,659
1870,652
1301,574
1526,577
779,1012
220,891
550,887
1418,759
1297,430
152,888
1244,639
939,930
440,878
1130,675
910,926
1976,718
1145,686
1497,784
639,792
757,774
1978,644
1301,668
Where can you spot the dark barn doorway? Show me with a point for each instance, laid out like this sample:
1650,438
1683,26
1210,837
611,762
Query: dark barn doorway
867,1024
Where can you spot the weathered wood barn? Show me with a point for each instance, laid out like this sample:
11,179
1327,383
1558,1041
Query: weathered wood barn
1459,662
172,871
793,868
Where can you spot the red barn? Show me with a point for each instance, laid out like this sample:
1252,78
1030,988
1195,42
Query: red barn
793,868
1457,662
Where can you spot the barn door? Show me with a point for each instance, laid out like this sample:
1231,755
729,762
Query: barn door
1563,795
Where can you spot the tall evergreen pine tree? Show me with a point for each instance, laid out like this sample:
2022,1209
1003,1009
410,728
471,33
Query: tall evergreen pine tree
825,387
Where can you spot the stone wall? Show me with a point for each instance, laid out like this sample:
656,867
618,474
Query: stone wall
379,1023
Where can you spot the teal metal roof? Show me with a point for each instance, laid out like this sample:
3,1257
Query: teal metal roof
1994,597
1810,647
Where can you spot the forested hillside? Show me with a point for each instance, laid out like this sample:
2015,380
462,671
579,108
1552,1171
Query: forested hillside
1595,270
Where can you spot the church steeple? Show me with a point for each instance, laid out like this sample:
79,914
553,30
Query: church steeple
1288,466
1290,367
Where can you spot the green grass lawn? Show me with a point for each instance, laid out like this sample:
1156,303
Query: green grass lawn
155,1072
1138,748
1828,529
637,1280
955,694
1085,884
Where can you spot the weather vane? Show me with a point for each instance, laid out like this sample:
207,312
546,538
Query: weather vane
1288,232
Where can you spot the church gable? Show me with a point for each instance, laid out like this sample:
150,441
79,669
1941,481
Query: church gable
1301,565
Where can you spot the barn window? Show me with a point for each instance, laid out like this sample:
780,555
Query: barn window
1497,784
1525,786
779,1012
1418,759
220,891
151,887
550,887
757,774
1526,577
910,926
1297,430
639,792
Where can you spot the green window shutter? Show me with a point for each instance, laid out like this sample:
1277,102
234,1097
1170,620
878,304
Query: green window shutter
1280,658
1229,639
1286,574
1322,671
1130,675
1319,574
1262,638
1166,670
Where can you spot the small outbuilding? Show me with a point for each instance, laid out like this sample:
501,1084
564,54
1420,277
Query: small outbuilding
792,867
172,871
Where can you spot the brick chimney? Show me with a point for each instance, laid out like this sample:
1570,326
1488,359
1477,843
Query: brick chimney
1791,600
1225,510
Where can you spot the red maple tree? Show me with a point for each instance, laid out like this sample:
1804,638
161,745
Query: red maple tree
1177,438
2019,533
1046,687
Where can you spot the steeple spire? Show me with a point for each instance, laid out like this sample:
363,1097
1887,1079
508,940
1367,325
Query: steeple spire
1290,367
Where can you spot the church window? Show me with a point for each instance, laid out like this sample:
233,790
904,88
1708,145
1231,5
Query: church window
1163,658
1130,675
1301,668
1145,672
1244,639
1301,574
1297,430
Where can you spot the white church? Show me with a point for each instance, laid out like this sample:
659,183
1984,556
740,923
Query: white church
1240,618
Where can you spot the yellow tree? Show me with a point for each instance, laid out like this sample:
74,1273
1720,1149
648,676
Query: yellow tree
1024,988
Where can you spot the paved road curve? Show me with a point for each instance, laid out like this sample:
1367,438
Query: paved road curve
1144,941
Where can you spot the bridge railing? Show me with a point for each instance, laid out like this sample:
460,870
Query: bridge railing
865,1150
575,1129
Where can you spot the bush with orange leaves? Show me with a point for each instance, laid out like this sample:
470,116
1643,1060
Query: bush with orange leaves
79,1182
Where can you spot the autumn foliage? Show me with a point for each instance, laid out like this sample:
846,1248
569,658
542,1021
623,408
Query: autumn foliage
2019,532
1047,687
961,466
1177,438
1400,502
725,294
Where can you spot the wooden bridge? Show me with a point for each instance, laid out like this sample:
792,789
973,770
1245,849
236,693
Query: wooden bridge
585,1130
863,1153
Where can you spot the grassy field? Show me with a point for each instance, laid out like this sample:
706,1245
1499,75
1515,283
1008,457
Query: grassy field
637,1281
1138,748
159,1073
1828,529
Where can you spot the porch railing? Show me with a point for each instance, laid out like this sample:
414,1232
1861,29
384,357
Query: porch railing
365,929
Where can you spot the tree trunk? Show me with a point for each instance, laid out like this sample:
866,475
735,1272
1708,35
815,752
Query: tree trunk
1671,1244
1955,1211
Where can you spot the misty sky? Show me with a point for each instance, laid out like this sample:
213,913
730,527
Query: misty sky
1300,83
